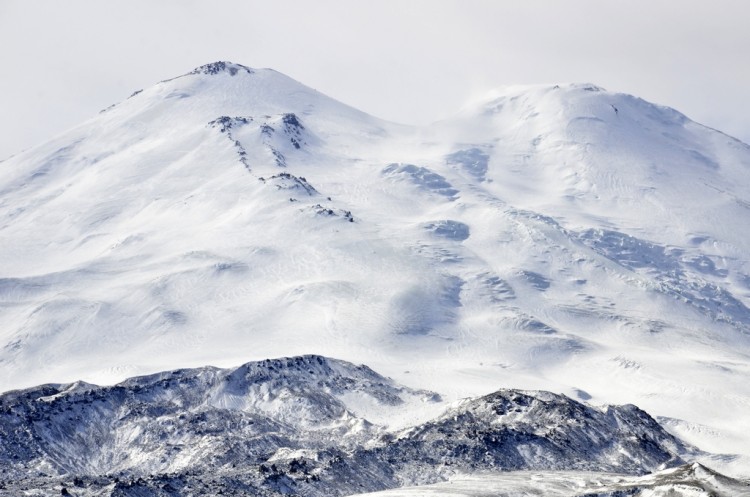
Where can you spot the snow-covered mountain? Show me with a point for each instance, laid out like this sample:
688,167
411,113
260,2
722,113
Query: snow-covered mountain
302,426
561,238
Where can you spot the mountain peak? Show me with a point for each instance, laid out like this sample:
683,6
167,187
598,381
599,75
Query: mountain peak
219,88
524,91
221,67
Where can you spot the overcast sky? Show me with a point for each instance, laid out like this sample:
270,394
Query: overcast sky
405,61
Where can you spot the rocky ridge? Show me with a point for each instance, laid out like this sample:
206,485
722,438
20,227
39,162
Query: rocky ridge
298,426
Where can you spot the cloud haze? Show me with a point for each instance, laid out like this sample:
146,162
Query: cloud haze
411,62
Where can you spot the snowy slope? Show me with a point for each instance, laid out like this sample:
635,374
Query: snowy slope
554,237
686,481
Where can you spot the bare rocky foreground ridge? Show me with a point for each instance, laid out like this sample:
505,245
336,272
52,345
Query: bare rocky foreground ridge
299,426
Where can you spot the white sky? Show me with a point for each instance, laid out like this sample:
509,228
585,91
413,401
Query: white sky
406,61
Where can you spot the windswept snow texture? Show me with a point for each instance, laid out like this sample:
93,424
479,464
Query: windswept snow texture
561,238
474,161
421,177
691,480
299,426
